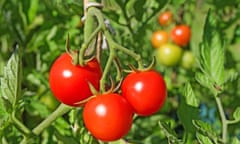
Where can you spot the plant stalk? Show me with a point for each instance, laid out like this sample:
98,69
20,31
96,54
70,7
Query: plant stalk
223,119
61,110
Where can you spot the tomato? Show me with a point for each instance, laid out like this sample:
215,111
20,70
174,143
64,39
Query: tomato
159,38
181,35
69,83
108,117
187,60
169,54
165,18
145,91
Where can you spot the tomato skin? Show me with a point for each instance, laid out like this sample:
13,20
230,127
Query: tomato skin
159,38
69,83
187,60
145,91
169,54
181,35
108,117
165,18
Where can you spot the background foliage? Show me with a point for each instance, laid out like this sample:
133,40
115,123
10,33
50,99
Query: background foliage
40,28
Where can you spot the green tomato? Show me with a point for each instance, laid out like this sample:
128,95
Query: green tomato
187,60
169,54
50,101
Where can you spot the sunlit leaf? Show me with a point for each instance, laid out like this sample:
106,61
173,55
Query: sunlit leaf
236,113
203,139
11,80
190,97
235,141
212,52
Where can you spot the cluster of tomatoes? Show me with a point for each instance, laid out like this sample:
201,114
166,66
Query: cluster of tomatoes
170,46
107,115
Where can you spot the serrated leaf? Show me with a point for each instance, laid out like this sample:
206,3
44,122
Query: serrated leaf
170,134
190,97
235,141
205,129
212,52
236,113
10,82
203,139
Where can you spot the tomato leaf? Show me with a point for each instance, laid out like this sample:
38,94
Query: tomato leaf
170,134
212,52
205,129
11,81
203,139
190,97
235,141
186,114
236,113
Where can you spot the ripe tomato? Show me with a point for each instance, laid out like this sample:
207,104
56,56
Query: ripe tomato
181,35
145,91
159,38
69,83
108,117
169,54
165,18
187,60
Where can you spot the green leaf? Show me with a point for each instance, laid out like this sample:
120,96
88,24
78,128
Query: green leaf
11,81
236,113
212,52
170,134
203,139
190,97
235,141
205,129
186,114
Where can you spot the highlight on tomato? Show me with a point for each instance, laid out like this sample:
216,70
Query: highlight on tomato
69,83
145,90
165,18
108,117
181,34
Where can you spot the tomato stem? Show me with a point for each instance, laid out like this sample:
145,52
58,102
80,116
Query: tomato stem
61,110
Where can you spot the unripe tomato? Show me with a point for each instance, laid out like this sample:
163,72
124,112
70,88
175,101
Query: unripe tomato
145,91
187,60
169,54
159,38
165,18
70,83
108,117
181,35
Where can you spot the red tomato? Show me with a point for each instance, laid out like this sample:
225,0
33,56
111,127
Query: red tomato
165,18
181,35
69,83
159,38
108,117
145,91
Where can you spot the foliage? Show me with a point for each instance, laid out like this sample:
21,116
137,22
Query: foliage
203,101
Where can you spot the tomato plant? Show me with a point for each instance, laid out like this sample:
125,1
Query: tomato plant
165,18
181,34
145,91
159,38
169,54
108,117
69,83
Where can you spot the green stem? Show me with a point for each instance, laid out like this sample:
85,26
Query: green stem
107,68
20,126
62,109
223,119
